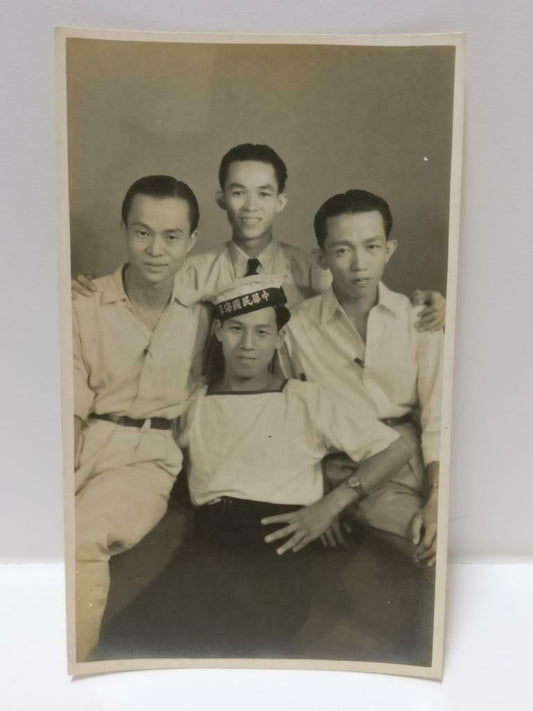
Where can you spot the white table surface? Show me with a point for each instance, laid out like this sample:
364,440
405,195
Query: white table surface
487,659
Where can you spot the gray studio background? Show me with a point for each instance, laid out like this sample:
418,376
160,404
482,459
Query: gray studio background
369,117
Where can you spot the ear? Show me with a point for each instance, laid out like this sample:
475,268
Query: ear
217,329
282,202
281,337
392,246
193,239
322,262
220,200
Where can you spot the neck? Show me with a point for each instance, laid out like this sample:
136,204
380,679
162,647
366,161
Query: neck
357,305
146,294
253,247
262,381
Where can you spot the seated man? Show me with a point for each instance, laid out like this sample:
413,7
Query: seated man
254,443
135,341
360,339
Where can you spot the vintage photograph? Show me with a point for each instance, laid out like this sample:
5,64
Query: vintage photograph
258,254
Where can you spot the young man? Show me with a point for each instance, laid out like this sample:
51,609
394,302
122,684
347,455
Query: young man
254,444
252,179
360,339
135,345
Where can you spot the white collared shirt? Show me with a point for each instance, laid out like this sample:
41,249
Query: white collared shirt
211,271
398,371
123,368
268,446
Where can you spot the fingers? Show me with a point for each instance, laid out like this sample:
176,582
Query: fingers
430,319
83,285
427,556
296,543
426,550
279,518
418,298
431,562
337,534
280,533
416,529
328,539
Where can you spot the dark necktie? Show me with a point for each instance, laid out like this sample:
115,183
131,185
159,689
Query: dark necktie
253,265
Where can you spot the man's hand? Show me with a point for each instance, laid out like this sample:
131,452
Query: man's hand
424,532
433,317
302,526
334,536
82,285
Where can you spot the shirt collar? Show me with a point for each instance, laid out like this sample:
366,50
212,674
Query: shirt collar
113,290
239,259
331,306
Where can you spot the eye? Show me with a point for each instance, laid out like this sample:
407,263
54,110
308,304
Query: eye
373,246
265,194
142,233
172,238
340,252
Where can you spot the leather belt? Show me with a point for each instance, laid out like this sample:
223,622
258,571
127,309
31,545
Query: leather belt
395,421
156,423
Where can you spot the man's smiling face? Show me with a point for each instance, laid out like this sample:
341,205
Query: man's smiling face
251,199
158,237
249,342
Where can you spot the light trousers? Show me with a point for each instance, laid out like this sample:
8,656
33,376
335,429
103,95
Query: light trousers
123,480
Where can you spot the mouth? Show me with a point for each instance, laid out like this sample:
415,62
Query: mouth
363,281
250,220
150,265
246,359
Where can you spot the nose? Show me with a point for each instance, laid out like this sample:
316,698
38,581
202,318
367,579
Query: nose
247,340
358,260
156,247
250,202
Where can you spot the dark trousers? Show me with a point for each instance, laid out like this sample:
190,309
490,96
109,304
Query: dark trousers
225,594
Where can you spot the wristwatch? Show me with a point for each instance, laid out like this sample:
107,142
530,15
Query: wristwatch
354,483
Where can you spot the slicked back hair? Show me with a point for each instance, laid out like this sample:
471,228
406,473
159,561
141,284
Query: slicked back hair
253,152
350,203
161,187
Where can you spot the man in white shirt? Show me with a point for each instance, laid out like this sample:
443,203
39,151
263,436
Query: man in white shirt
359,339
136,342
254,443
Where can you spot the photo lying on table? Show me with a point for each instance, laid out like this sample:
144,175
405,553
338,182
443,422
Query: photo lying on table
258,241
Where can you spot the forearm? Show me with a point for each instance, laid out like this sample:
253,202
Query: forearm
371,473
432,480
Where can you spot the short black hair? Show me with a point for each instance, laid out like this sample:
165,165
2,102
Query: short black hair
349,203
162,186
257,152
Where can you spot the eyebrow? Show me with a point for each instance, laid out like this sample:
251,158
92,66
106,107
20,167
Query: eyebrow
350,244
240,323
268,186
142,224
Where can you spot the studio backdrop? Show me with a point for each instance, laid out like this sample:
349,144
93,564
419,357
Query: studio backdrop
377,118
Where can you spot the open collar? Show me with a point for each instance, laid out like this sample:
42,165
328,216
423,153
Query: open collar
330,305
113,290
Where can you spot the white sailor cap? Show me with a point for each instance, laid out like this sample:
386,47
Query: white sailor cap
249,294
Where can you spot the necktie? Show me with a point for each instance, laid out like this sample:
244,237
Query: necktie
253,265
